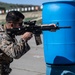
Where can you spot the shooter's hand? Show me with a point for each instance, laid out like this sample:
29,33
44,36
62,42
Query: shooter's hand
53,25
27,36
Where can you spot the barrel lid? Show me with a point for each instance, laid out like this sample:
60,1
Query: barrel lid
70,1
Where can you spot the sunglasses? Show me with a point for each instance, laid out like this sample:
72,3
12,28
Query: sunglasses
15,23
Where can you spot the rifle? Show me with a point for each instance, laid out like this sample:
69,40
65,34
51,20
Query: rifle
30,26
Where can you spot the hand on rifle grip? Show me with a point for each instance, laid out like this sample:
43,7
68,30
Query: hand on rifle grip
27,36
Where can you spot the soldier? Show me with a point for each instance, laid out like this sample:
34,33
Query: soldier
9,46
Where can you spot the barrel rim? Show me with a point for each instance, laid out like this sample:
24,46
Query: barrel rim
58,2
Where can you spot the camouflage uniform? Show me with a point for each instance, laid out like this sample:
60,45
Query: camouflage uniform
10,48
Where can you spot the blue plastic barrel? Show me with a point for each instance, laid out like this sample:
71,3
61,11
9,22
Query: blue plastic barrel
59,46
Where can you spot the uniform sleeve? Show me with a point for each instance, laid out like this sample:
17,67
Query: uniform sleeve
14,49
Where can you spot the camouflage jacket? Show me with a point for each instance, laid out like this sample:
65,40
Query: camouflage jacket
11,48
